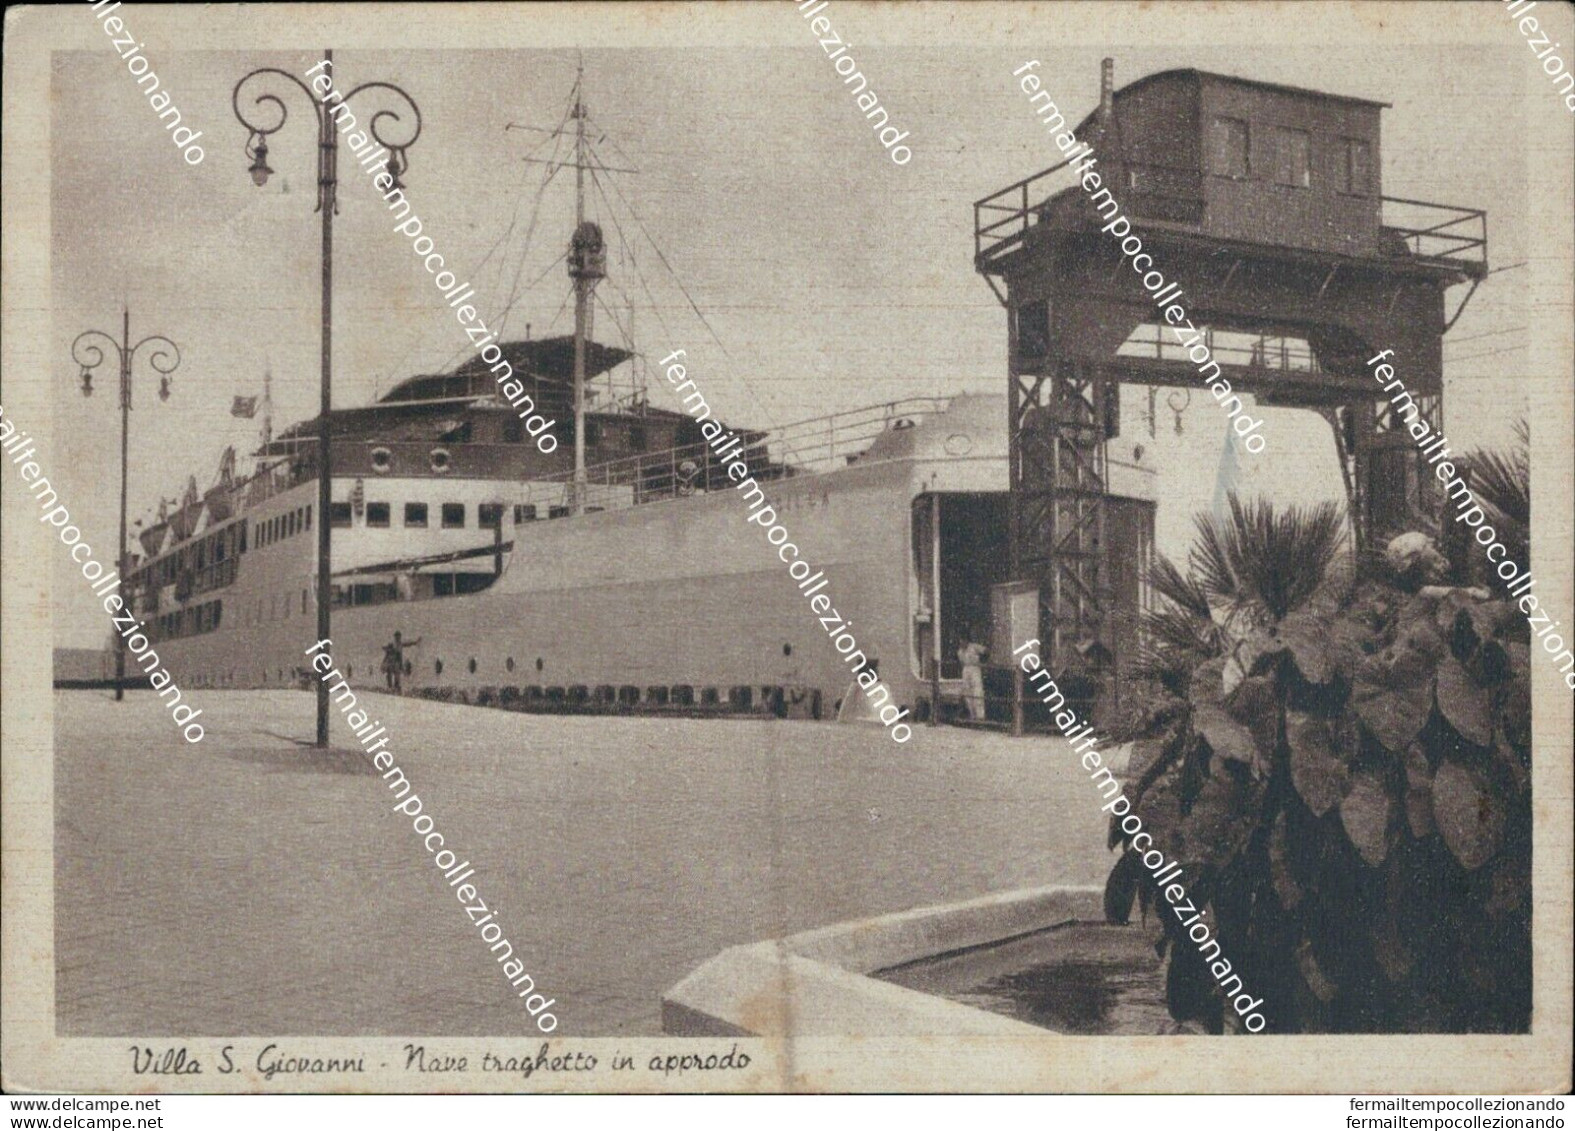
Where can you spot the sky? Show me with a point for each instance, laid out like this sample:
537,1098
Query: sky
832,278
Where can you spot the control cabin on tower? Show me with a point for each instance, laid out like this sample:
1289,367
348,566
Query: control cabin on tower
1264,203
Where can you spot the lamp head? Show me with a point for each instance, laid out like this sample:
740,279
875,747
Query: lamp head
87,381
164,388
259,167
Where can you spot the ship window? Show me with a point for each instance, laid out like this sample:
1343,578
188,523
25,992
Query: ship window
489,515
218,611
509,663
308,517
453,516
557,512
472,665
1358,171
377,514
524,512
339,514
303,601
1291,148
415,514
637,437
513,431
437,667
1228,148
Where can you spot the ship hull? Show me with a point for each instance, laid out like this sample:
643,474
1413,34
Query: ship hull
678,598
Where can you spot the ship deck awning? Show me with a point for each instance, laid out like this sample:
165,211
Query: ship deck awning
544,360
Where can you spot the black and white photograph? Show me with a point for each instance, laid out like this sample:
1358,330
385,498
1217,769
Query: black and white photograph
788,548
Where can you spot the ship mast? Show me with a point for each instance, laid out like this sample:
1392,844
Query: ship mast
587,264
267,408
583,284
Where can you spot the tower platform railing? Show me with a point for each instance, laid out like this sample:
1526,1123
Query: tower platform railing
1441,235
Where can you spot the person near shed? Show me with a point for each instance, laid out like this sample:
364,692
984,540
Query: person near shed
972,657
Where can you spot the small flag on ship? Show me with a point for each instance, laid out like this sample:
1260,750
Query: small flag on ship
244,407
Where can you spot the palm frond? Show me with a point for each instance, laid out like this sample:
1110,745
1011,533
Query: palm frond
1168,582
1260,562
1501,482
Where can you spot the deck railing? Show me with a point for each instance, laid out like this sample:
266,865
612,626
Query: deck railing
801,448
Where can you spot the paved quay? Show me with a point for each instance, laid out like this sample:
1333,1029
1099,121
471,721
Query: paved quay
249,884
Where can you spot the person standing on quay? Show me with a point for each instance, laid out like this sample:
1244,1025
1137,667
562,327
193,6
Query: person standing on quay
394,662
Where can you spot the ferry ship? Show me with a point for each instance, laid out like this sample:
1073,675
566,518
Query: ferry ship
616,572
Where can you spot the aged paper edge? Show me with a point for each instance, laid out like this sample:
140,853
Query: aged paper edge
34,1059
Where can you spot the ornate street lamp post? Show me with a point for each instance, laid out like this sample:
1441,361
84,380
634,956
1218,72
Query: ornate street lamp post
164,358
327,205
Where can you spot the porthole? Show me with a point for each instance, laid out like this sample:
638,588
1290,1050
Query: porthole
509,663
441,460
472,665
437,667
787,649
538,663
349,671
382,459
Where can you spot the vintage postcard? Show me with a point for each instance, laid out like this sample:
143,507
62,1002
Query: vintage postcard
792,547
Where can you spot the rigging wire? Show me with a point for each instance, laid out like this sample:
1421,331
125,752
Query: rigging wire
661,256
638,274
566,297
481,265
1488,353
515,292
1488,334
